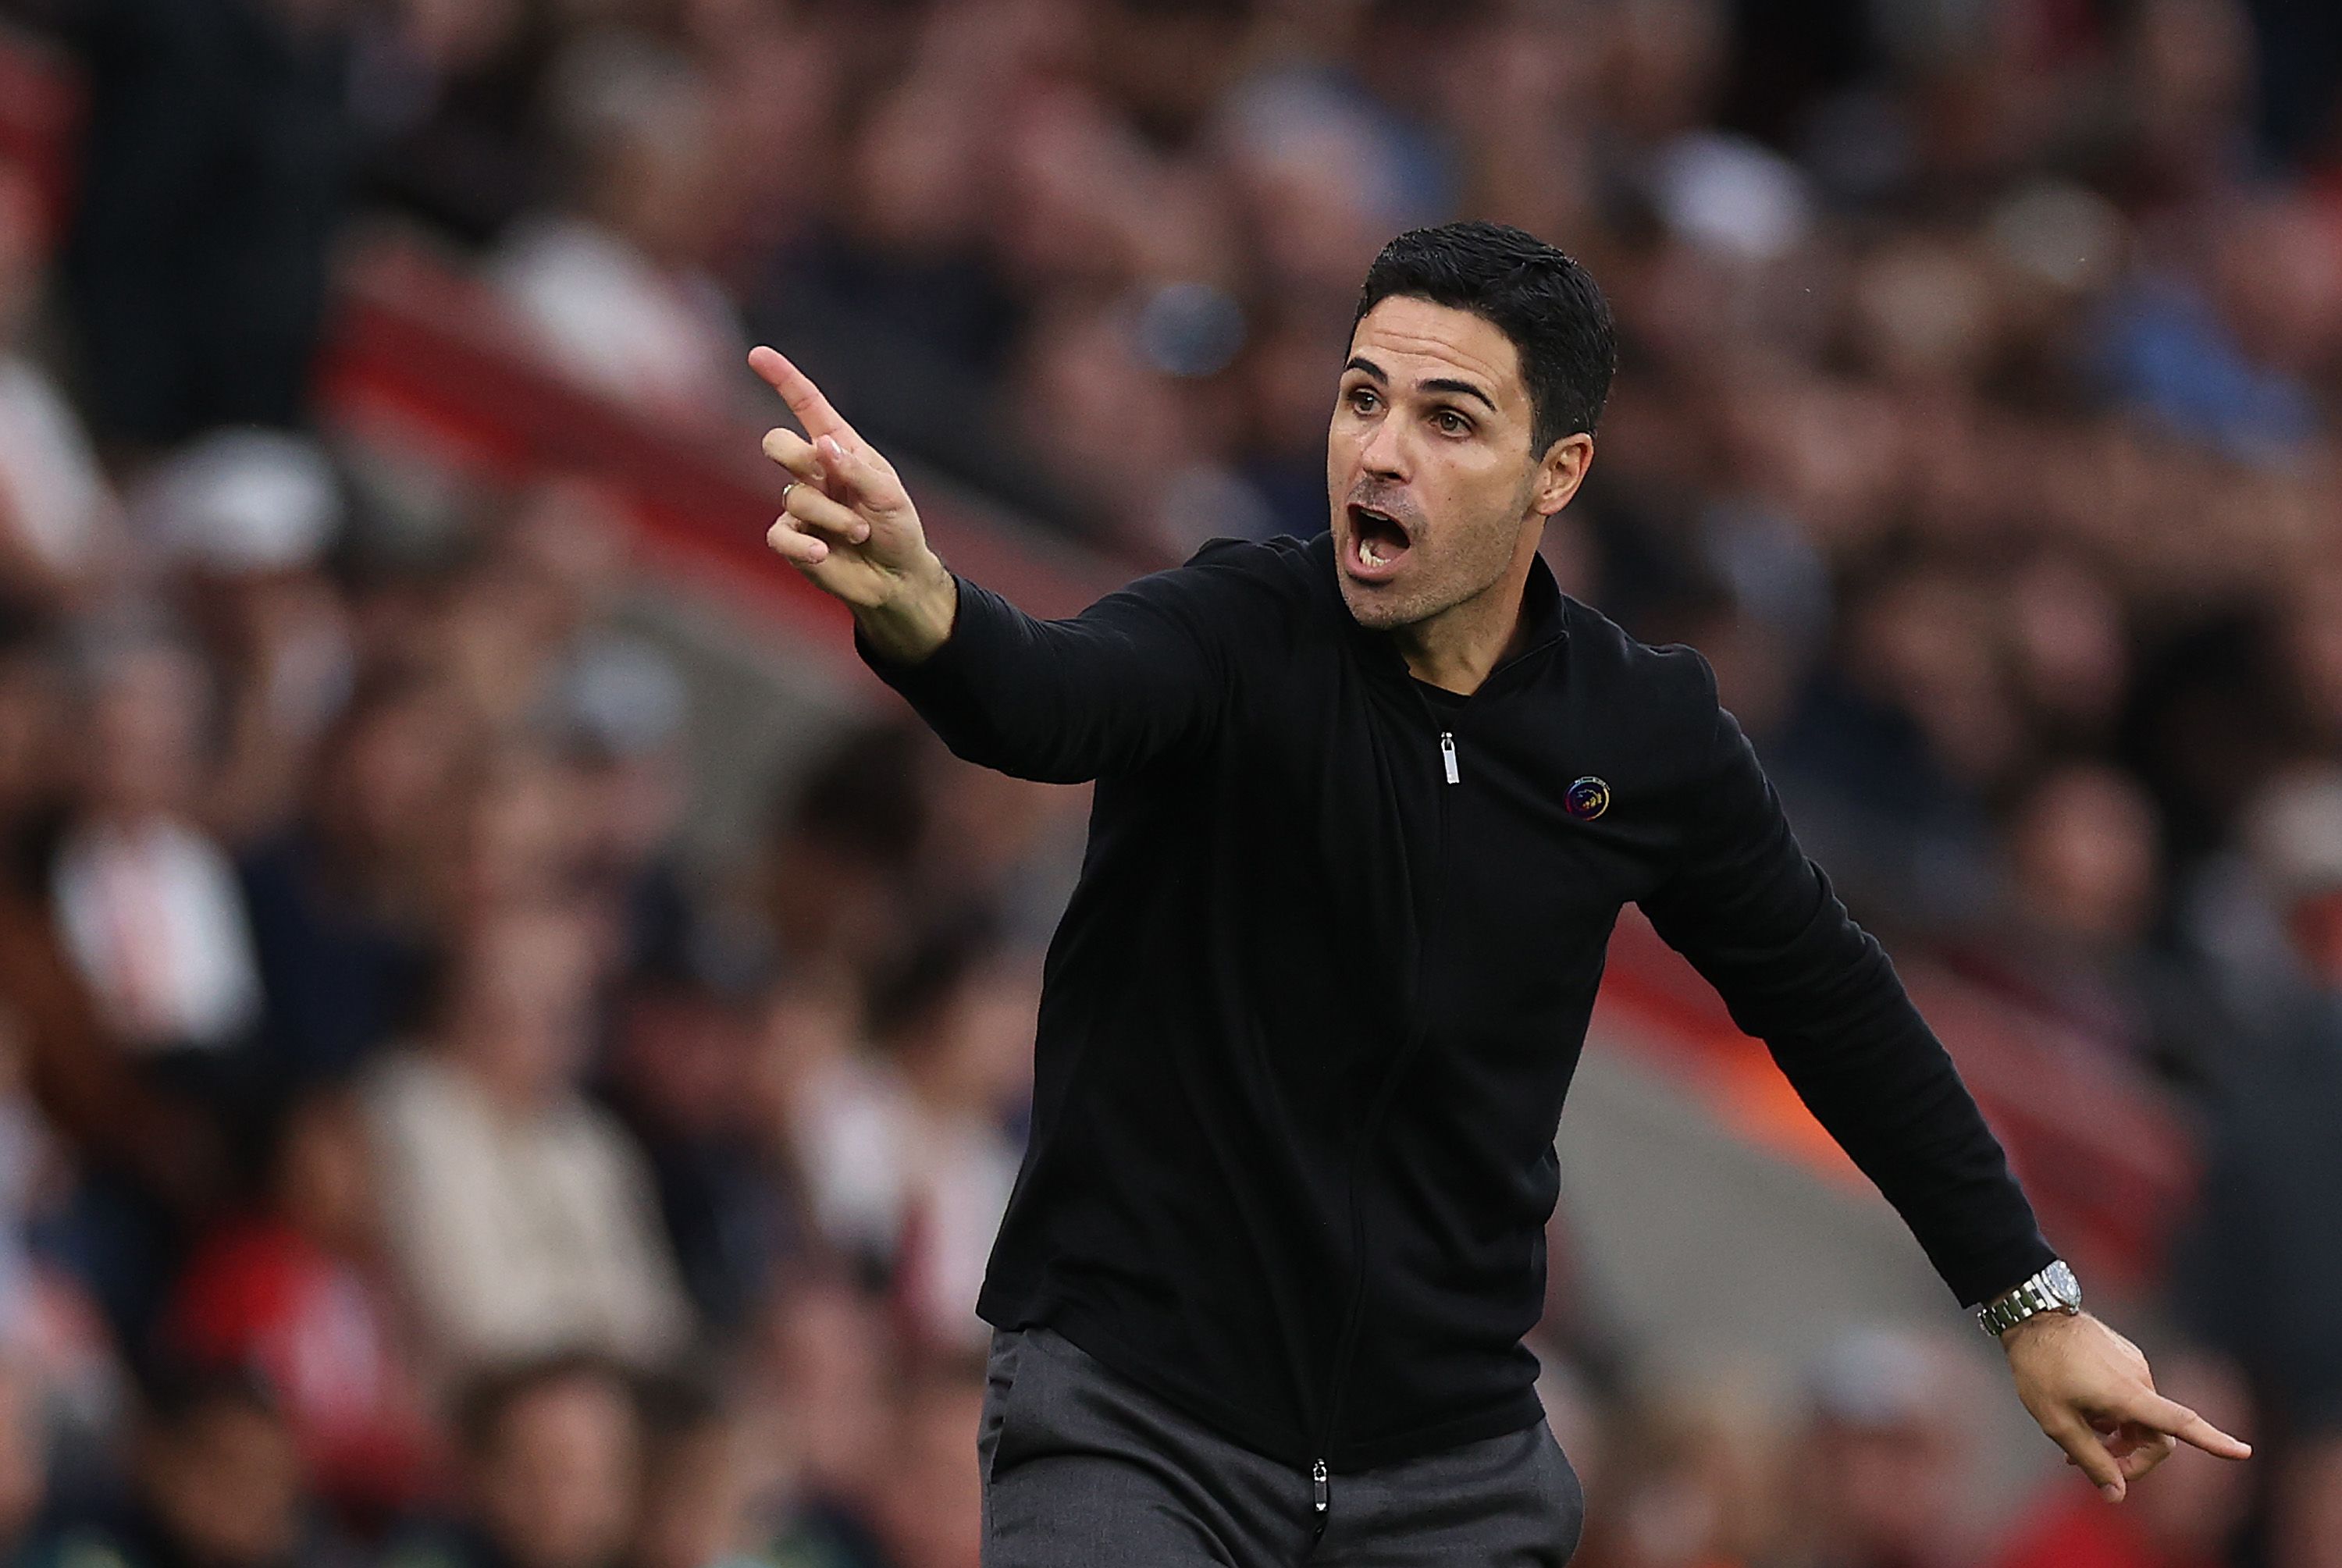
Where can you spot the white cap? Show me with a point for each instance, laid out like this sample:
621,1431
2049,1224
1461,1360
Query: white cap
623,696
1732,196
240,501
1878,1379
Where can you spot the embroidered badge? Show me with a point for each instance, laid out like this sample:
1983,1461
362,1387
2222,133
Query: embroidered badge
1587,799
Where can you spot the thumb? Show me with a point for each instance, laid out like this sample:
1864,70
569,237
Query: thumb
855,478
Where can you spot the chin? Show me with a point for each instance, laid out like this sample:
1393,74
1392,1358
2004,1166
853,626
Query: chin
1382,607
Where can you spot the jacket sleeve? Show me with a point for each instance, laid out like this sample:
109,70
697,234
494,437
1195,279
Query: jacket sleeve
1137,675
1760,922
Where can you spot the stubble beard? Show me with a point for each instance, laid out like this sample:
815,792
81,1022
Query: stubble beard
1480,557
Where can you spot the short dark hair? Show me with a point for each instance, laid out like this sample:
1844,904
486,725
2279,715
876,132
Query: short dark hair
1537,296
481,1404
178,1391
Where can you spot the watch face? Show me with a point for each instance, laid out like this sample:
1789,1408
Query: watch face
2063,1286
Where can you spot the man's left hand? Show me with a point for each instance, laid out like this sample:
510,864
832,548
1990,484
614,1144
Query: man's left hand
2092,1393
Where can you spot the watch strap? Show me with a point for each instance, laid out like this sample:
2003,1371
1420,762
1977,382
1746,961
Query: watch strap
2030,1299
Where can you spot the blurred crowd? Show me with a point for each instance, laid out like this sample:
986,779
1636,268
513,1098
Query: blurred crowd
408,1156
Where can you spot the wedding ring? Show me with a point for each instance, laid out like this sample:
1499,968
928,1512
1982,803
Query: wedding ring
784,492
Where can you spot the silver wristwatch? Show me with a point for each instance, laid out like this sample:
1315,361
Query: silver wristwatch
2054,1289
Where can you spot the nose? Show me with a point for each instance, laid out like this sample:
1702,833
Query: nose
1383,455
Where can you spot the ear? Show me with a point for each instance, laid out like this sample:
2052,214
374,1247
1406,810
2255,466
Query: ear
1560,474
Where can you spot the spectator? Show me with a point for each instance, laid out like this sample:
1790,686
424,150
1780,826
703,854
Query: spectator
149,1160
341,912
443,111
621,708
148,914
816,1416
508,619
551,1456
930,1507
1884,1464
520,1218
147,903
292,1291
2069,938
842,847
615,289
906,1158
1694,1482
216,1481
247,516
696,1509
681,1081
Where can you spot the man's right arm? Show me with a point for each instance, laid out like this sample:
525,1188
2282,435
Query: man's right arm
1106,691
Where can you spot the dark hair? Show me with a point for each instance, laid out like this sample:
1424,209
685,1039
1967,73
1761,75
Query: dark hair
175,1391
1537,296
481,1404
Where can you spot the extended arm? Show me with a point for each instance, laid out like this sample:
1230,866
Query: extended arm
1758,920
1125,682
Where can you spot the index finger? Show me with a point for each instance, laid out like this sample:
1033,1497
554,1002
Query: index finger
797,390
2171,1417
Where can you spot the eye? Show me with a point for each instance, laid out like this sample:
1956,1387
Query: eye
1451,423
1363,399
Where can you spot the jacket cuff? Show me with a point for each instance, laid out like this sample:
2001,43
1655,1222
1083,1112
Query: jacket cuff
2011,1266
981,624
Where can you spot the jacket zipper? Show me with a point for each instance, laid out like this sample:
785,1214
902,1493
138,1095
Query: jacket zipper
1321,1489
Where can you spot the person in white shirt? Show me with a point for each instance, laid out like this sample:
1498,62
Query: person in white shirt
520,1218
149,906
614,290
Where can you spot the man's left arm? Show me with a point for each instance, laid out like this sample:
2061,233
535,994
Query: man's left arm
1760,922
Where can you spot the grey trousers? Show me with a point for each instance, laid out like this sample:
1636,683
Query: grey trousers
1083,1469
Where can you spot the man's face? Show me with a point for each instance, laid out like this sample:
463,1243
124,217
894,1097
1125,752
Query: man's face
557,1489
226,1482
1429,466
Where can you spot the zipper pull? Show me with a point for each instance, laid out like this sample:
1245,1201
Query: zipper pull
1320,1489
1447,756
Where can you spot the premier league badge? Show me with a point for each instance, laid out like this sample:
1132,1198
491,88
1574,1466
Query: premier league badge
1587,799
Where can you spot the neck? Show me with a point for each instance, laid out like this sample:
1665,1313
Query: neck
1457,648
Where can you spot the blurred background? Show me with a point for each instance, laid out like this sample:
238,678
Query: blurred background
512,1050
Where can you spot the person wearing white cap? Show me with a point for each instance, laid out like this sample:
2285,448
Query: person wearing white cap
250,515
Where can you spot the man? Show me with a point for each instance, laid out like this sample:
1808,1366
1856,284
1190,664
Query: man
1366,810
551,1470
216,1483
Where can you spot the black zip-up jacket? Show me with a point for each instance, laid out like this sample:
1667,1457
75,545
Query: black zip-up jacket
1307,1026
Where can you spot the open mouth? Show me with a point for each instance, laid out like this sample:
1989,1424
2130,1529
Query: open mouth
1379,542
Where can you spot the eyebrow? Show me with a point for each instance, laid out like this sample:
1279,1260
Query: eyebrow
1360,363
1462,388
